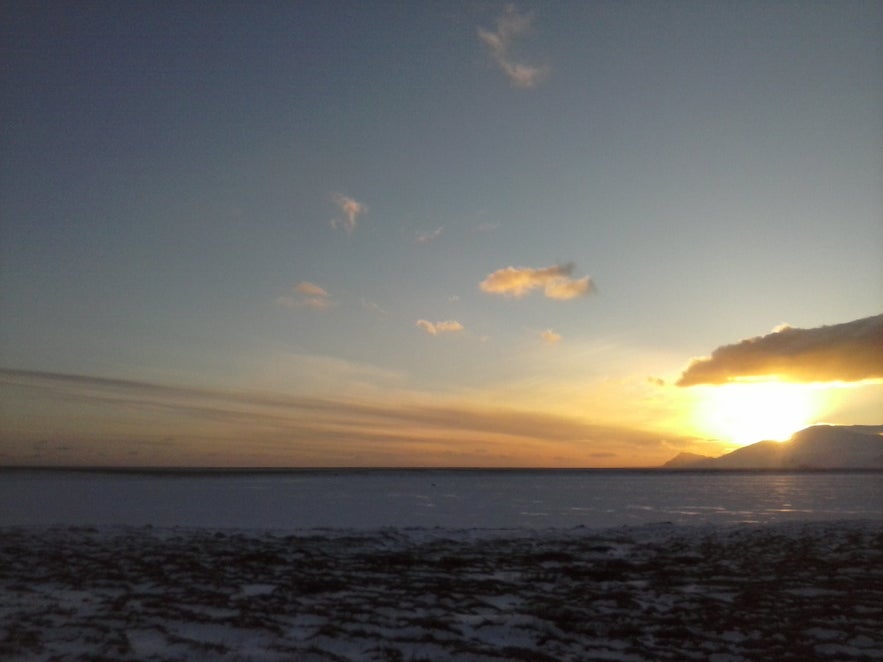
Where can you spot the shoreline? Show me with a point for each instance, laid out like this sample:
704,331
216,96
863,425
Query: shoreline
192,472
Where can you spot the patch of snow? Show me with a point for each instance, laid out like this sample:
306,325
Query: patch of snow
811,592
824,633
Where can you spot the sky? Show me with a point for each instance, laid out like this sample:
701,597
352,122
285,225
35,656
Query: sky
575,234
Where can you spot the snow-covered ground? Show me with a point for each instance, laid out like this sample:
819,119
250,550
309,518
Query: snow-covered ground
782,591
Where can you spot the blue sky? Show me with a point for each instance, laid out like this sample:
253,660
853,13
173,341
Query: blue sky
303,200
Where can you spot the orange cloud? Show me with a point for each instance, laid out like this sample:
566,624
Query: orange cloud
555,281
351,210
563,288
311,289
852,351
550,336
312,296
449,326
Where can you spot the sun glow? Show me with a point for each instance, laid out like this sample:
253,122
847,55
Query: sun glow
746,412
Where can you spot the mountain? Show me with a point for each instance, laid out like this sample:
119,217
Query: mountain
685,461
816,447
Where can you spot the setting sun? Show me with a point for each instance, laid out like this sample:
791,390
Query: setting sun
744,413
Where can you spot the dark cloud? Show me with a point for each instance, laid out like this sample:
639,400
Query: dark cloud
847,352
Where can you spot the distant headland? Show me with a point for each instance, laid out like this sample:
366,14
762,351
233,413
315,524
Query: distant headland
816,447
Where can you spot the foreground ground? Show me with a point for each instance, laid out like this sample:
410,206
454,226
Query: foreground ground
783,592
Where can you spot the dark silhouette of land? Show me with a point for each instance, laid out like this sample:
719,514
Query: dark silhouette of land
816,447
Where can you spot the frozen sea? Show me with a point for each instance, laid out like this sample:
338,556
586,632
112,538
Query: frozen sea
458,566
460,499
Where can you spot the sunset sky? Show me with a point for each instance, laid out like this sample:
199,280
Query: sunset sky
436,233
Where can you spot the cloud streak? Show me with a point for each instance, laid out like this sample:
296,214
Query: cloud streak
549,336
311,296
848,352
556,282
448,326
510,26
351,210
204,426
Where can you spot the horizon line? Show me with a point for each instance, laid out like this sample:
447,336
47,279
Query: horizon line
183,469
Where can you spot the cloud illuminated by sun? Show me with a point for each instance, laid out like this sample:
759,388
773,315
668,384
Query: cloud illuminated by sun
447,326
556,282
510,27
350,208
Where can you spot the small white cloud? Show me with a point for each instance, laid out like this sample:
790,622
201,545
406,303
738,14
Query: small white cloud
351,210
449,326
370,305
510,26
550,336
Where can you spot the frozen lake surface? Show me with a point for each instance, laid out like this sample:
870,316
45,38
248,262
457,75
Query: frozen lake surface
370,499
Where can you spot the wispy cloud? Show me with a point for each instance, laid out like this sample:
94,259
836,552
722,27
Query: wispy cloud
367,304
487,227
510,26
556,282
426,237
848,352
550,336
311,296
245,427
351,210
433,329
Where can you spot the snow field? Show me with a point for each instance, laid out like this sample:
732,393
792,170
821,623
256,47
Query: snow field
796,591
